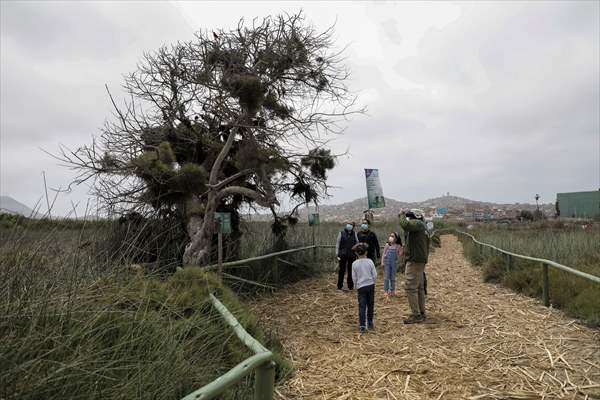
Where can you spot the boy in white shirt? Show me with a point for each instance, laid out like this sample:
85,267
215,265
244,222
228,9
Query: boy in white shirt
364,276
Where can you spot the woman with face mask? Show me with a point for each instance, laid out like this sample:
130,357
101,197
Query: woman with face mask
370,238
343,250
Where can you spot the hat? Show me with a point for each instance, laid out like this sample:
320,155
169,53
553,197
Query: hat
417,212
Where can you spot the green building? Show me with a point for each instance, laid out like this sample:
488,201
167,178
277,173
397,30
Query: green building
579,204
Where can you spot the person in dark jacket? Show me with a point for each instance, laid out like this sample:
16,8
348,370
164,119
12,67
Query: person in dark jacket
370,238
417,253
343,250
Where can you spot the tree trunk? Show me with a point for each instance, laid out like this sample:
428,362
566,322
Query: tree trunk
197,251
200,230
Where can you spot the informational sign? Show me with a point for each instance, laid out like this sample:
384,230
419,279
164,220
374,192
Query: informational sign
313,219
441,210
374,191
223,220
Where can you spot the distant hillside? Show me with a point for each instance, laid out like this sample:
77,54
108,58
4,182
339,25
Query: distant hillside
12,206
354,210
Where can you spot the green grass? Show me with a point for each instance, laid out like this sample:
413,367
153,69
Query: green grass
77,323
571,246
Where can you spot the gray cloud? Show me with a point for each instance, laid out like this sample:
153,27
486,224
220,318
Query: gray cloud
498,102
509,101
390,28
56,58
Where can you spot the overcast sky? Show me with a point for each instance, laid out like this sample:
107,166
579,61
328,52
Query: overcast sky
489,101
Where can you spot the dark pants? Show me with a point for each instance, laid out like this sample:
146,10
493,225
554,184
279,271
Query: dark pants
345,267
366,302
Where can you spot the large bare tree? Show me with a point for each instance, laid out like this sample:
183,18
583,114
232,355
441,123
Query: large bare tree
229,118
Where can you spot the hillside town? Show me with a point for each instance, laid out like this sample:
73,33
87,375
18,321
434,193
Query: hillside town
444,207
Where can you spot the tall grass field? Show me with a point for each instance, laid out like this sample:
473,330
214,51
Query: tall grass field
98,310
76,321
572,245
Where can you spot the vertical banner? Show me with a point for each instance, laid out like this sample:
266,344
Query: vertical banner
374,191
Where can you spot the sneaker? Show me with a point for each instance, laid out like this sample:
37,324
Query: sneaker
414,319
361,331
424,316
371,327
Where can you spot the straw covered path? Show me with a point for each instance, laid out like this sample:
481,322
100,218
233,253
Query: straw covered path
481,342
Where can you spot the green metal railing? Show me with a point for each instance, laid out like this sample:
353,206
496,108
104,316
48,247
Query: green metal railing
262,360
261,363
263,257
544,263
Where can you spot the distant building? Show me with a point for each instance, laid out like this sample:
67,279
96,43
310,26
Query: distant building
579,204
479,215
471,207
512,214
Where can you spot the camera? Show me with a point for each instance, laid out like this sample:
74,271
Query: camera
410,215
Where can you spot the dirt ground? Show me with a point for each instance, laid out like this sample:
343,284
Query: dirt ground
481,341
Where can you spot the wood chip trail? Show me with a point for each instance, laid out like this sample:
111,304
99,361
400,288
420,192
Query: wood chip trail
481,341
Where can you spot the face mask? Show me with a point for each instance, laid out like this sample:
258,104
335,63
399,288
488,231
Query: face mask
364,227
348,227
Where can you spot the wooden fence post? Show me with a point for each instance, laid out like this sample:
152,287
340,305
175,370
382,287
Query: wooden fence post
545,285
264,381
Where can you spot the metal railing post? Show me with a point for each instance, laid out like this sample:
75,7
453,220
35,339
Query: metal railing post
545,286
220,253
314,243
264,381
509,264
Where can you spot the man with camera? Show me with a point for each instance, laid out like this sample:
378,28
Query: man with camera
417,252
